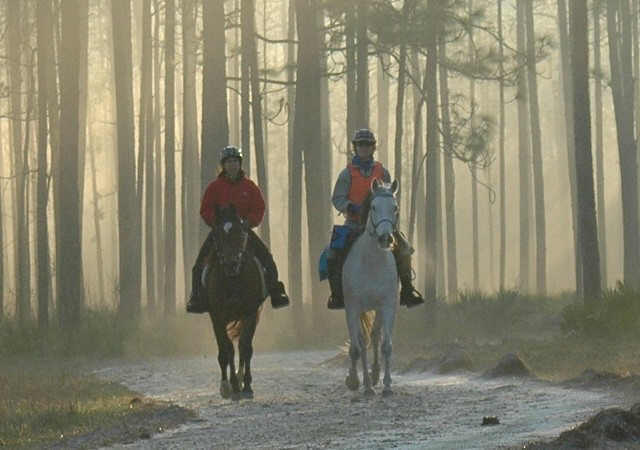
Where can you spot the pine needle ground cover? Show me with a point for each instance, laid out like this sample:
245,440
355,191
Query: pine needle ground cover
44,403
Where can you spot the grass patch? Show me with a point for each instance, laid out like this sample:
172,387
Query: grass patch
557,337
44,402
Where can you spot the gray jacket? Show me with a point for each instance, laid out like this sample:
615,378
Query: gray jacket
340,195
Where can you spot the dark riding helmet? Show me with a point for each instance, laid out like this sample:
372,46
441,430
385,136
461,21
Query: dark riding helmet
230,151
363,135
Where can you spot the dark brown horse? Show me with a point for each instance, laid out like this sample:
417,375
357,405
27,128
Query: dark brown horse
235,292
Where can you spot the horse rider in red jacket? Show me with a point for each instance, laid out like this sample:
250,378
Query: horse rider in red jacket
232,187
349,194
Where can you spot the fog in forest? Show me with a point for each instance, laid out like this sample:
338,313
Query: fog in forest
357,65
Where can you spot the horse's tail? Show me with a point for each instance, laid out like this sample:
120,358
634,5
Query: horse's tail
234,329
367,319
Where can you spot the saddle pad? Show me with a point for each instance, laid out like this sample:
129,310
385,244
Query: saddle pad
340,236
323,265
263,282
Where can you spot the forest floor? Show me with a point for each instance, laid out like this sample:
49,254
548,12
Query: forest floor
442,384
441,398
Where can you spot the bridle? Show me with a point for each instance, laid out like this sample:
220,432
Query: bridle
237,259
374,231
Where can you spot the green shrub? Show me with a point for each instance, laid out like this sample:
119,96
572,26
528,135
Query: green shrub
616,314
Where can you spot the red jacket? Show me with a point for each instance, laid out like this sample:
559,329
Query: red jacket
243,194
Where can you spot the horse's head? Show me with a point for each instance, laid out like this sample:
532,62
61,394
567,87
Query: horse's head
383,213
232,234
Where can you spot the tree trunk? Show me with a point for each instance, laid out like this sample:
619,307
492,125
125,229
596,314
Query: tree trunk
350,42
102,295
474,172
158,223
524,162
294,252
602,225
307,135
588,229
129,242
503,219
234,73
2,280
325,132
418,102
538,179
568,114
622,89
245,82
169,161
42,233
251,54
22,276
362,67
69,250
383,110
190,166
215,124
146,140
432,160
402,67
449,180
83,15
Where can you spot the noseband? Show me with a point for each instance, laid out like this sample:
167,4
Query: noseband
375,224
222,260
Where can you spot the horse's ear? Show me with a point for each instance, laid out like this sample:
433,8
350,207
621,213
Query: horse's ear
375,184
394,186
232,209
217,211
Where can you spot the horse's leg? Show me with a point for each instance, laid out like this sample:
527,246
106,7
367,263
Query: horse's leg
353,323
222,339
246,352
375,342
366,378
235,381
388,318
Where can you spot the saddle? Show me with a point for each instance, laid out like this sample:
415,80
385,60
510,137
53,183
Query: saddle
256,261
342,239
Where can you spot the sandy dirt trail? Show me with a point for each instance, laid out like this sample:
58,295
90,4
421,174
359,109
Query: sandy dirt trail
301,403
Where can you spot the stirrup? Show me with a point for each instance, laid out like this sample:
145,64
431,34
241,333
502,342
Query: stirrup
279,298
410,297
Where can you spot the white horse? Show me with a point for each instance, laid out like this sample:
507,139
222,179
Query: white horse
370,281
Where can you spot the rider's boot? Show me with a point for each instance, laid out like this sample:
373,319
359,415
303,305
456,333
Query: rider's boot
409,296
334,265
196,303
279,298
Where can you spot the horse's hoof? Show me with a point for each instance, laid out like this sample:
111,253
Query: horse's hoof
375,377
352,383
368,392
225,389
387,392
247,394
236,396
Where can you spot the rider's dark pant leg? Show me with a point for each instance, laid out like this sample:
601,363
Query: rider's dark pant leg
408,295
261,251
196,272
402,253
